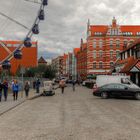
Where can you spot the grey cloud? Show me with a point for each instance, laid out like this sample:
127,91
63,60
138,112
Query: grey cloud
65,22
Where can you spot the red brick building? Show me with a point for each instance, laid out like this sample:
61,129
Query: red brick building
29,58
65,57
82,61
105,42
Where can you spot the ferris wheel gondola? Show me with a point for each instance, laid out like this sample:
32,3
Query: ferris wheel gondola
17,53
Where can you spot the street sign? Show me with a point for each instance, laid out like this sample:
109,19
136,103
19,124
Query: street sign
22,70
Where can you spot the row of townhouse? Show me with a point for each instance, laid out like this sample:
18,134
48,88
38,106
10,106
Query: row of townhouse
101,50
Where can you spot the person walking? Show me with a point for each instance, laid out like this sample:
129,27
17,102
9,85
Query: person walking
37,85
15,89
34,84
26,88
5,89
62,85
1,87
73,85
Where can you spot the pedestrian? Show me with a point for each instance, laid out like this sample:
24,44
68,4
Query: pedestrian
62,85
34,84
73,85
37,85
26,88
1,87
5,89
15,89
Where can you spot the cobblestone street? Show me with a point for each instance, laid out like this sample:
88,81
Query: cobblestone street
72,116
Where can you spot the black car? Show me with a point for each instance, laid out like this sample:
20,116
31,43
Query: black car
117,90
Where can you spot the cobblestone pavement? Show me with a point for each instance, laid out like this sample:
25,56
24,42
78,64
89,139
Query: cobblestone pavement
9,104
72,116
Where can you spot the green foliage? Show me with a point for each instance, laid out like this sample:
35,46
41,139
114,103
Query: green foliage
44,71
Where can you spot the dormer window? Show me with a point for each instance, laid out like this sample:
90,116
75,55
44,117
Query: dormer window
98,33
138,33
127,33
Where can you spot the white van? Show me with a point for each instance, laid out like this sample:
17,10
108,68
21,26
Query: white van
108,79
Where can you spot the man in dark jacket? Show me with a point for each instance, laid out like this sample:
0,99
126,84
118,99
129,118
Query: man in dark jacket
37,86
5,89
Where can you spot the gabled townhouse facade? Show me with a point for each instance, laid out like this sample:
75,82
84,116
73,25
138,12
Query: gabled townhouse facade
104,44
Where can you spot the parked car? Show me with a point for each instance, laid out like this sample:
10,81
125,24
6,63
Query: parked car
48,88
116,90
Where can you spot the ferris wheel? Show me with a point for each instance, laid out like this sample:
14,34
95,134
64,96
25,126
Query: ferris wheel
27,40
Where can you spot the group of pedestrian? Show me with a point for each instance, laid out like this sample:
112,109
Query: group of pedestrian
4,86
62,85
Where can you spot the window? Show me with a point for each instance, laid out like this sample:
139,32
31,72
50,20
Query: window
111,64
94,65
100,54
117,43
117,54
111,54
100,43
94,43
111,43
131,42
125,43
8,45
115,86
100,65
94,54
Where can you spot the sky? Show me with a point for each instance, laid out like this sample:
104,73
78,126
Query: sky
65,21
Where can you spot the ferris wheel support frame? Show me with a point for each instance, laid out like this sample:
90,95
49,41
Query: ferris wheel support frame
29,34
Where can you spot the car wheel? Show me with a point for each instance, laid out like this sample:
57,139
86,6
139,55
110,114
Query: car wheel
104,95
137,96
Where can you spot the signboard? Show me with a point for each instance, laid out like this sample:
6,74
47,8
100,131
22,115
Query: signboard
22,70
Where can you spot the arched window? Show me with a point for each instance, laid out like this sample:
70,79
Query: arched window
100,43
94,65
94,43
94,54
100,65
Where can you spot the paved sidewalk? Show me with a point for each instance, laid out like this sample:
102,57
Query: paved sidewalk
10,103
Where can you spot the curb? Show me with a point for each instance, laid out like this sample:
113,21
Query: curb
12,107
31,98
34,97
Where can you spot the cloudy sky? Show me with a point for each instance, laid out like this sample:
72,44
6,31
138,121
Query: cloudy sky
66,21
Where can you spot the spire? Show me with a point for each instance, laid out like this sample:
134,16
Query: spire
88,25
81,41
114,22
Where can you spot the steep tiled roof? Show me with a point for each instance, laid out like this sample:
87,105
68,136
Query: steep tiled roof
124,28
42,60
76,50
131,63
130,28
98,28
137,41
